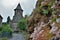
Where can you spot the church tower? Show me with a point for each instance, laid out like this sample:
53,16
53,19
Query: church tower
18,13
17,17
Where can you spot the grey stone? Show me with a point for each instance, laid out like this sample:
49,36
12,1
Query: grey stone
17,37
17,17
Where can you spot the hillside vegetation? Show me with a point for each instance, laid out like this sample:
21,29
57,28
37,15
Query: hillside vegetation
44,22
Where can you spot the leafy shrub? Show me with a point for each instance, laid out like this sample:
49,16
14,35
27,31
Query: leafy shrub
22,25
6,28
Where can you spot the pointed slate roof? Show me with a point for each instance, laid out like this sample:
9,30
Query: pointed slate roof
1,17
18,7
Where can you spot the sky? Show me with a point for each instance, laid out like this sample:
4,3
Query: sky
7,7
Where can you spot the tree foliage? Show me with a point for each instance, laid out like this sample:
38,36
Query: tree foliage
8,19
5,28
22,25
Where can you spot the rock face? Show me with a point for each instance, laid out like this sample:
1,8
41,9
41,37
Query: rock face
1,20
17,17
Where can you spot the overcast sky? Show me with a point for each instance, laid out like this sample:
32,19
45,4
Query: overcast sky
7,7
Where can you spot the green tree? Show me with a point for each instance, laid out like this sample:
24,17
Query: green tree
22,25
6,28
8,19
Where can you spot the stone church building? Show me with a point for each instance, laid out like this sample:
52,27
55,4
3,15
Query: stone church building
17,17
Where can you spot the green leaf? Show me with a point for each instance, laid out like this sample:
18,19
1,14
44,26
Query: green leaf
45,11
